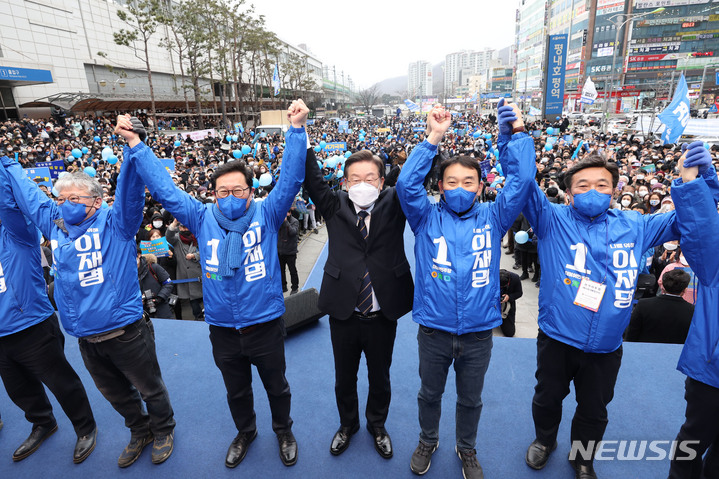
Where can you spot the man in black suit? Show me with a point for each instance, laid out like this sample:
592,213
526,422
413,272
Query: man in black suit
510,290
665,318
366,288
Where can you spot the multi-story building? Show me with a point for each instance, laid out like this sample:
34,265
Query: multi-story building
50,51
461,65
531,34
419,79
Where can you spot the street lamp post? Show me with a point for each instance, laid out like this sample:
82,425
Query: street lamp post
608,97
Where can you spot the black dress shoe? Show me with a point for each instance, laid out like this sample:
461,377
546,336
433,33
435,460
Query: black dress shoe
583,471
84,446
342,439
538,454
524,276
382,442
288,448
33,441
238,449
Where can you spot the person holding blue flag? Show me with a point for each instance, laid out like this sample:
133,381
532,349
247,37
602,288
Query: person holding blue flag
457,292
590,256
695,197
237,239
676,115
31,343
98,296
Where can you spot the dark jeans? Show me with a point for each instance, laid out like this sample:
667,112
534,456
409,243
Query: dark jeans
350,338
289,260
35,356
702,425
594,376
125,369
508,324
470,354
235,352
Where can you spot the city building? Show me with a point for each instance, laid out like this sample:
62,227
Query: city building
461,65
419,79
63,54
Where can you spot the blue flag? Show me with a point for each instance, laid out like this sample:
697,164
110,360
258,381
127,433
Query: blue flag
676,116
276,80
411,105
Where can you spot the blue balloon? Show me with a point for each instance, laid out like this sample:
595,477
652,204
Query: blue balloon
265,179
178,143
547,147
237,154
235,137
324,135
89,170
55,193
416,135
319,164
348,154
104,205
706,145
332,161
112,159
228,138
550,131
252,133
84,150
487,136
97,138
76,153
323,144
107,153
476,134
61,174
521,237
339,173
255,183
389,137
317,148
246,150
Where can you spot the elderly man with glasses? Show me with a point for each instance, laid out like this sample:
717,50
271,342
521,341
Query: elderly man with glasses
237,238
98,296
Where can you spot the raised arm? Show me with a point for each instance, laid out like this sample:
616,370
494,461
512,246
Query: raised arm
12,218
697,220
280,199
140,160
324,198
410,184
33,203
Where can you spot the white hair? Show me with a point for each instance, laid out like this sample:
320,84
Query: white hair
79,180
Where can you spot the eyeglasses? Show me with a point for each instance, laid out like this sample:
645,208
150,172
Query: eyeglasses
73,199
373,180
238,192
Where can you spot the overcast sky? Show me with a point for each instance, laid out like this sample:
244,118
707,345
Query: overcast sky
377,39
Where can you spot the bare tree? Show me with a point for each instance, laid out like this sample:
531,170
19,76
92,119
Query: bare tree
369,97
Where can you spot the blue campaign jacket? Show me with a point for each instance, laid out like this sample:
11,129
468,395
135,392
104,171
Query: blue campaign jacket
254,294
23,294
698,223
457,258
605,249
96,286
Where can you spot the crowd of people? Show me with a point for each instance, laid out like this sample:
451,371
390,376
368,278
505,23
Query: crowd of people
570,199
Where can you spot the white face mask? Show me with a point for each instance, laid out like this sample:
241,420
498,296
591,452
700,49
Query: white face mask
653,181
626,203
363,194
157,224
654,202
683,260
640,177
670,246
643,193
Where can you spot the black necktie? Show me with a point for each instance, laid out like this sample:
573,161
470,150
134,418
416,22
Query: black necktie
364,300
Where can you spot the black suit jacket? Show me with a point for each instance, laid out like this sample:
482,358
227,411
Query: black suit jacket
350,255
663,319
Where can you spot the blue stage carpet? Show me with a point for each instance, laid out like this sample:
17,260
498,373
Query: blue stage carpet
648,405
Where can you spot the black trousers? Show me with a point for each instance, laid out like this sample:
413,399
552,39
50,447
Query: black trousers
508,324
33,357
126,372
701,426
350,338
594,376
289,260
263,346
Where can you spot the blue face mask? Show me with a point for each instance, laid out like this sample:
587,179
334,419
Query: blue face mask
232,207
592,203
459,200
73,213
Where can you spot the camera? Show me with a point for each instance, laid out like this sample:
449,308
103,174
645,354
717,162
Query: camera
172,300
149,303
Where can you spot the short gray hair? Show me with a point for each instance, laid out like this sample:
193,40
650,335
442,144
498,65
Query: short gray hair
79,180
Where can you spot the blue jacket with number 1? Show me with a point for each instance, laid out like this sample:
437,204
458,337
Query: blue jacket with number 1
253,294
457,257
